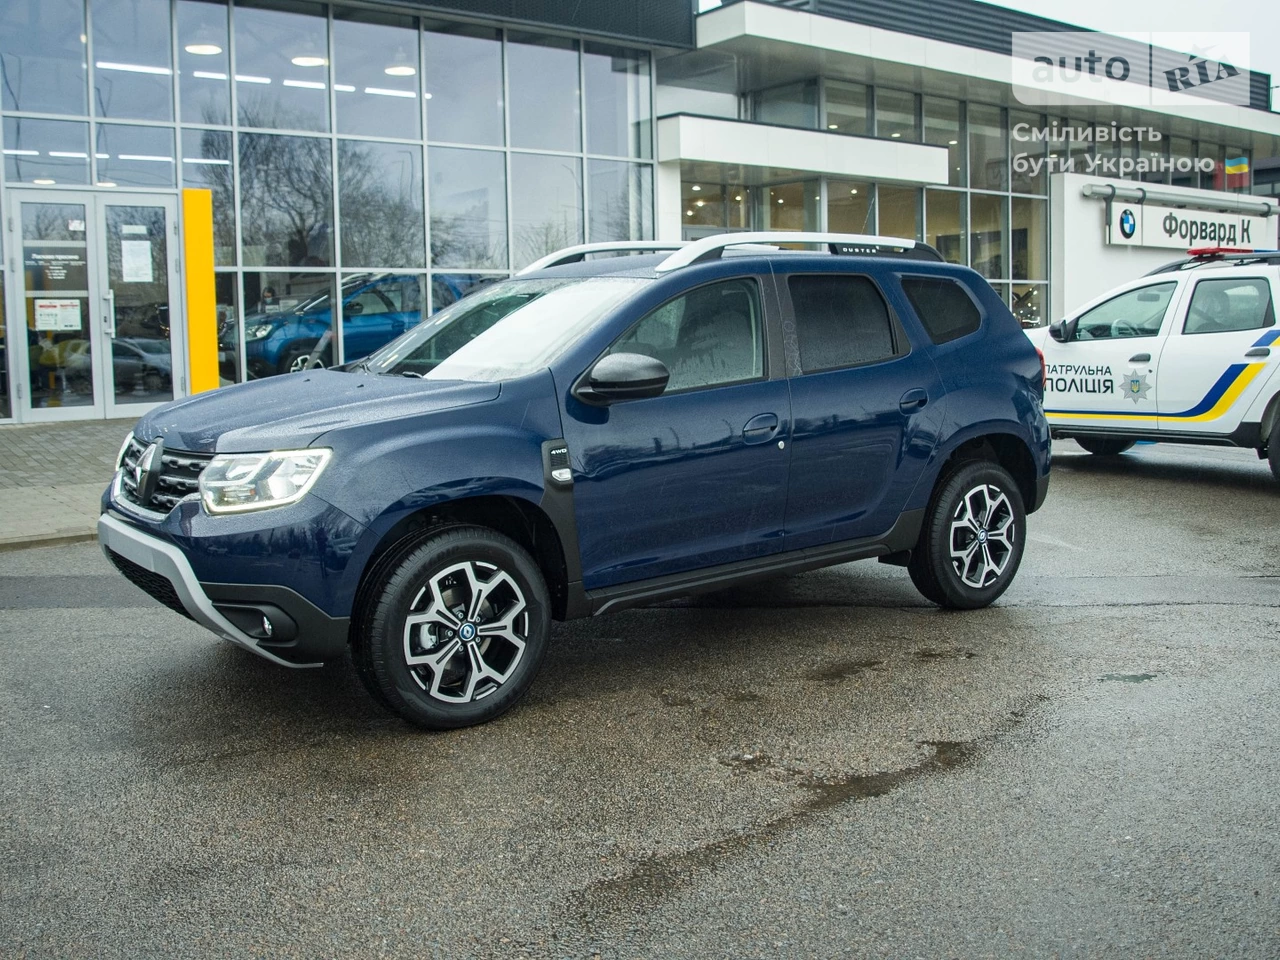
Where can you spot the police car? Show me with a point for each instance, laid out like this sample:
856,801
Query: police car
1187,354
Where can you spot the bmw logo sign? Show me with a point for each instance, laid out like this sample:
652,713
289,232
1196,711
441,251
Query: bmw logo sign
467,631
1128,224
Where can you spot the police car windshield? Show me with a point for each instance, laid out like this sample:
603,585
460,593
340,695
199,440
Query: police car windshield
502,331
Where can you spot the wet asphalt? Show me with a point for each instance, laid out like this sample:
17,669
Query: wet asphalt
818,766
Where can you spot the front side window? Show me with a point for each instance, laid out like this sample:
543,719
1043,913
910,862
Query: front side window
1228,306
1138,313
505,330
841,321
708,337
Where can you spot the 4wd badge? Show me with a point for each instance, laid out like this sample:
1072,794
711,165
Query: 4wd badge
1135,386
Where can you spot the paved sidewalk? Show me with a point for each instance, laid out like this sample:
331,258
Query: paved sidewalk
51,478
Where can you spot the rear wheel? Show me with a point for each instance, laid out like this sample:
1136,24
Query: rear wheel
972,541
456,632
1105,446
1274,457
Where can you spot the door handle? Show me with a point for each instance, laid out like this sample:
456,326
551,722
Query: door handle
109,318
913,400
760,428
1140,358
1258,352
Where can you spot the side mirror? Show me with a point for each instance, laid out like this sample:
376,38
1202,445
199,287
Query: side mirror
1063,331
353,309
623,376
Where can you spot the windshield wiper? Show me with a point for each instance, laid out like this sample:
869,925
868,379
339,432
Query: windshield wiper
410,373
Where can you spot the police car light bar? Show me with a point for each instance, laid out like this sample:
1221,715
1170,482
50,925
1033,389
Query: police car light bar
1217,251
846,244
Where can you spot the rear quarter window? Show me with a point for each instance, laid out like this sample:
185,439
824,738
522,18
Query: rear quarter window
944,307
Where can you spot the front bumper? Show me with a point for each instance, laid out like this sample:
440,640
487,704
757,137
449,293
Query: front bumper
302,636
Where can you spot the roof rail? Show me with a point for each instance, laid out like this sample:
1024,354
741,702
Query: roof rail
578,253
845,244
1219,255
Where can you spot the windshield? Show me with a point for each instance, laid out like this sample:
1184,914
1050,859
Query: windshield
502,331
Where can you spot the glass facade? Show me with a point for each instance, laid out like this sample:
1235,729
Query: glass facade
382,162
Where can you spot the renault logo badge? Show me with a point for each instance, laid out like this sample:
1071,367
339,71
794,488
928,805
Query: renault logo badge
146,473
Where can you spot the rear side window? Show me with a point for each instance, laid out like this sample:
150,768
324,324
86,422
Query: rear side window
943,306
1229,306
841,321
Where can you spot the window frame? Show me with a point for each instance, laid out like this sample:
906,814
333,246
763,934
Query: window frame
902,345
1200,281
765,338
983,315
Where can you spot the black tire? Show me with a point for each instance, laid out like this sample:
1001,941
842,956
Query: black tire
932,568
297,354
448,697
1274,457
1105,446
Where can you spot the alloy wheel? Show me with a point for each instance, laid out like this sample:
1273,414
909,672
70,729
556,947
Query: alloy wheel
982,536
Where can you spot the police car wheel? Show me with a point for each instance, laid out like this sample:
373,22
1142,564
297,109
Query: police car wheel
973,536
1274,457
456,631
1105,446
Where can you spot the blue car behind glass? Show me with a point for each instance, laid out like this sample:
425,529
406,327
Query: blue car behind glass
588,436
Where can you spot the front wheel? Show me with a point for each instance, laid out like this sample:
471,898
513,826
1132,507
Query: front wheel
1105,446
456,632
972,541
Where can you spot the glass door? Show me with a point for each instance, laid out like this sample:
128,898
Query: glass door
140,354
98,288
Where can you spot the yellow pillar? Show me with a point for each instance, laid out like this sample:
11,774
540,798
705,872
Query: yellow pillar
202,301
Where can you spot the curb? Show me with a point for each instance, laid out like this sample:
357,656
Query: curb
52,540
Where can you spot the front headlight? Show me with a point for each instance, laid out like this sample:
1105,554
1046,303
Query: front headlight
258,331
238,482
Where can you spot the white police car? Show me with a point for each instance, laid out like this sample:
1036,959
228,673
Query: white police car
1187,354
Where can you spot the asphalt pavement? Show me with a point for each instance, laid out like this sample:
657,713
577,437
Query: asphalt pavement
818,766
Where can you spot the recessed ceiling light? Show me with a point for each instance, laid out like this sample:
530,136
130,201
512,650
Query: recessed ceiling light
203,49
738,197
105,183
833,126
695,188
952,142
400,70
309,61
895,135
699,203
780,200
688,213
44,181
854,190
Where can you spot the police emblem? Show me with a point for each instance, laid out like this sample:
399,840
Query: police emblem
1135,386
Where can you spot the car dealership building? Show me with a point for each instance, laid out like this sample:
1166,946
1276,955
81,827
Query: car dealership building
197,193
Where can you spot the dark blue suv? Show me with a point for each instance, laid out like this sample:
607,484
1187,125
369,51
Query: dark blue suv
587,437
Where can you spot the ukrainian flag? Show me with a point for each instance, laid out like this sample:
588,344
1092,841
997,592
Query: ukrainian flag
1237,172
1237,166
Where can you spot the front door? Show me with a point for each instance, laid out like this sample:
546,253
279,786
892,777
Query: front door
98,292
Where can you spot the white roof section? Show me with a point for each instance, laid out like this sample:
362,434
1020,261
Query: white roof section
707,139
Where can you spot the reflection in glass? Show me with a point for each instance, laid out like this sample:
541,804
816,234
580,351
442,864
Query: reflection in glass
988,148
138,275
42,56
463,83
204,62
619,118
226,293
1029,238
133,156
793,105
1030,304
899,211
287,319
942,129
45,152
790,206
206,163
1182,153
282,66
133,68
5,410
849,207
546,205
375,74
447,288
286,200
1031,179
377,308
704,204
847,108
944,228
56,272
546,104
468,208
380,199
896,115
620,198
987,217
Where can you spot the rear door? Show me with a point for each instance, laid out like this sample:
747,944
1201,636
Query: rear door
1219,355
1105,375
859,395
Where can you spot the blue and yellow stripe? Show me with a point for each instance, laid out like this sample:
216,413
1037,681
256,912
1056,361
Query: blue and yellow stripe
1220,398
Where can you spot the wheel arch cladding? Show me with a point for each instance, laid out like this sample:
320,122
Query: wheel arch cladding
1008,450
520,519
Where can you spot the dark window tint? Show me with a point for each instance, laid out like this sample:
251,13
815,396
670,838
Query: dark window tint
943,307
840,322
1227,306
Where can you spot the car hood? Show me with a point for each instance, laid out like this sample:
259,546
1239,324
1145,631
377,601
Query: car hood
292,411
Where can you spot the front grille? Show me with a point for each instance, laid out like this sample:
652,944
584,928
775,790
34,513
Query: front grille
153,584
179,476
